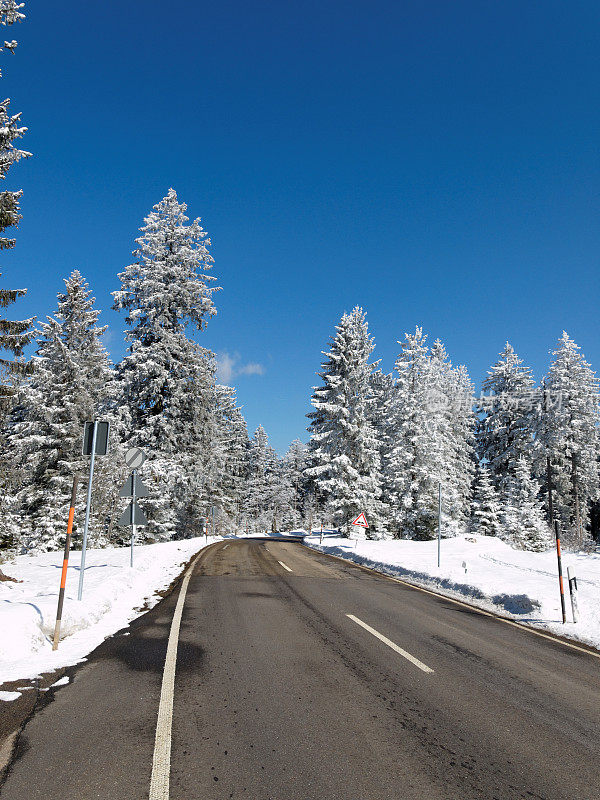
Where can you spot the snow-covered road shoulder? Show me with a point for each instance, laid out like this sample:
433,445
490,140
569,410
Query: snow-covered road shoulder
114,594
485,572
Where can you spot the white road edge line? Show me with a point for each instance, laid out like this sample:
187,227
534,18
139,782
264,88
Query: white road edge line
161,761
285,566
520,625
391,644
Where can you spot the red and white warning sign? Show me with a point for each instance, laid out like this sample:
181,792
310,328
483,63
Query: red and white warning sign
361,521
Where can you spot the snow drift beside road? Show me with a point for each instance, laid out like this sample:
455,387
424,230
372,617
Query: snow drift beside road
515,583
113,595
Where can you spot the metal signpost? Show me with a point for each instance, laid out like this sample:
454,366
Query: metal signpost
134,488
95,443
360,522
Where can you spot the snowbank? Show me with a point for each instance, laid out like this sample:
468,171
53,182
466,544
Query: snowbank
113,594
517,584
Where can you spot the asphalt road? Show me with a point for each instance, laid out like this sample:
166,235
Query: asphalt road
280,695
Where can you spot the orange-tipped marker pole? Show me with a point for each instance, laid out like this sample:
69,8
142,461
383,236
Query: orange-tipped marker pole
560,575
63,575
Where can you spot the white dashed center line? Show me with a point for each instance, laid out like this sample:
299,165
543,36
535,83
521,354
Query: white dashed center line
391,644
285,566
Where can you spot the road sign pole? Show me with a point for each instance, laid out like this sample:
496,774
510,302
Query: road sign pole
87,511
134,473
63,576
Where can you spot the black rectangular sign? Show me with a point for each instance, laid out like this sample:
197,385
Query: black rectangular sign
101,438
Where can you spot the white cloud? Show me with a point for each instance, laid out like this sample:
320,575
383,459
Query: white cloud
230,366
251,369
225,366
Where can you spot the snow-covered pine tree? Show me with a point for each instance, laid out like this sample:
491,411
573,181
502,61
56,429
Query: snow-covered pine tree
82,336
294,484
433,442
413,504
200,490
505,431
261,503
165,289
381,416
486,505
44,432
344,455
462,466
568,432
231,447
14,336
523,522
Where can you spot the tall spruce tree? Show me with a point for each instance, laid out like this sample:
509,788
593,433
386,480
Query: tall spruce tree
202,460
505,431
432,422
567,433
412,484
70,384
381,416
463,464
523,522
294,484
345,464
262,503
232,446
486,505
164,290
14,336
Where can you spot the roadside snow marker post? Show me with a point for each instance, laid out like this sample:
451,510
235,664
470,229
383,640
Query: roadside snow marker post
573,592
560,575
63,575
95,443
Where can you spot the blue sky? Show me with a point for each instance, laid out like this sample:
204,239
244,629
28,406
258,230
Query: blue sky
435,162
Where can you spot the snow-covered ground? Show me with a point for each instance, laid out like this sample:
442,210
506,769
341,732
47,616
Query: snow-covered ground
113,595
517,584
